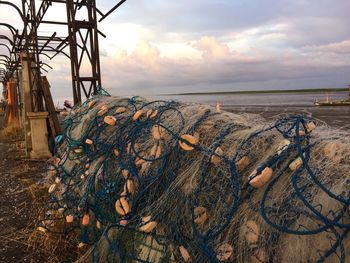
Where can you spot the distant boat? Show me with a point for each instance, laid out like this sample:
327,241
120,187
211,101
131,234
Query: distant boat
330,102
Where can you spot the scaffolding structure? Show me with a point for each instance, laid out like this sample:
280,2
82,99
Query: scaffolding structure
21,62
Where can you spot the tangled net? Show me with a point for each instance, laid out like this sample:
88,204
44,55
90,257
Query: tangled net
162,181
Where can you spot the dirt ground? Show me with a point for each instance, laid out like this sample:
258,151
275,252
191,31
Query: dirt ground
17,174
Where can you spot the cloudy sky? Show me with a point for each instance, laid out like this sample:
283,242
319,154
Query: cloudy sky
164,46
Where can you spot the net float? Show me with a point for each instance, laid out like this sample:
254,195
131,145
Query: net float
153,150
154,114
137,115
91,103
86,220
52,188
148,227
123,222
130,186
52,173
116,152
78,150
89,141
243,163
69,218
261,179
293,166
158,132
122,206
310,126
259,256
56,161
185,254
125,173
144,167
81,245
120,110
146,219
110,120
57,180
158,152
189,138
87,166
251,231
216,159
139,161
41,229
98,224
200,215
224,252
282,146
149,112
103,110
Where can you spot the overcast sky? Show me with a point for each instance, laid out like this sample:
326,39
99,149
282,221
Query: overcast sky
164,46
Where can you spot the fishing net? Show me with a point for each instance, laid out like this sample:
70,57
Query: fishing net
161,181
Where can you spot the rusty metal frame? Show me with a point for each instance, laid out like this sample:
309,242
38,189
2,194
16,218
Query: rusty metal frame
82,40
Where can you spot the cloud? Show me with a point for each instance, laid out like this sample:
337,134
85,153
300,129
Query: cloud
144,71
212,49
342,47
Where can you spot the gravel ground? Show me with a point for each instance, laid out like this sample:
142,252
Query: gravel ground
17,174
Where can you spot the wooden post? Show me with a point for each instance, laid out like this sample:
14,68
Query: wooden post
50,107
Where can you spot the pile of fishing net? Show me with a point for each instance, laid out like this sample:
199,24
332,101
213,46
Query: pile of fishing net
162,181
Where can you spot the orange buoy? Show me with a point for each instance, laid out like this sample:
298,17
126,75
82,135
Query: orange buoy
242,163
217,159
310,126
200,215
69,218
158,132
120,110
158,152
130,186
52,188
122,206
103,110
78,150
137,115
148,113
261,179
89,141
110,120
153,150
91,103
224,252
148,227
154,114
189,138
184,253
86,220
295,164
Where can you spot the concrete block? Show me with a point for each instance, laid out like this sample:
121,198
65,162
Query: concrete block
39,135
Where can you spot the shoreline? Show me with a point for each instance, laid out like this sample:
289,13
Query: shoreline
256,92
